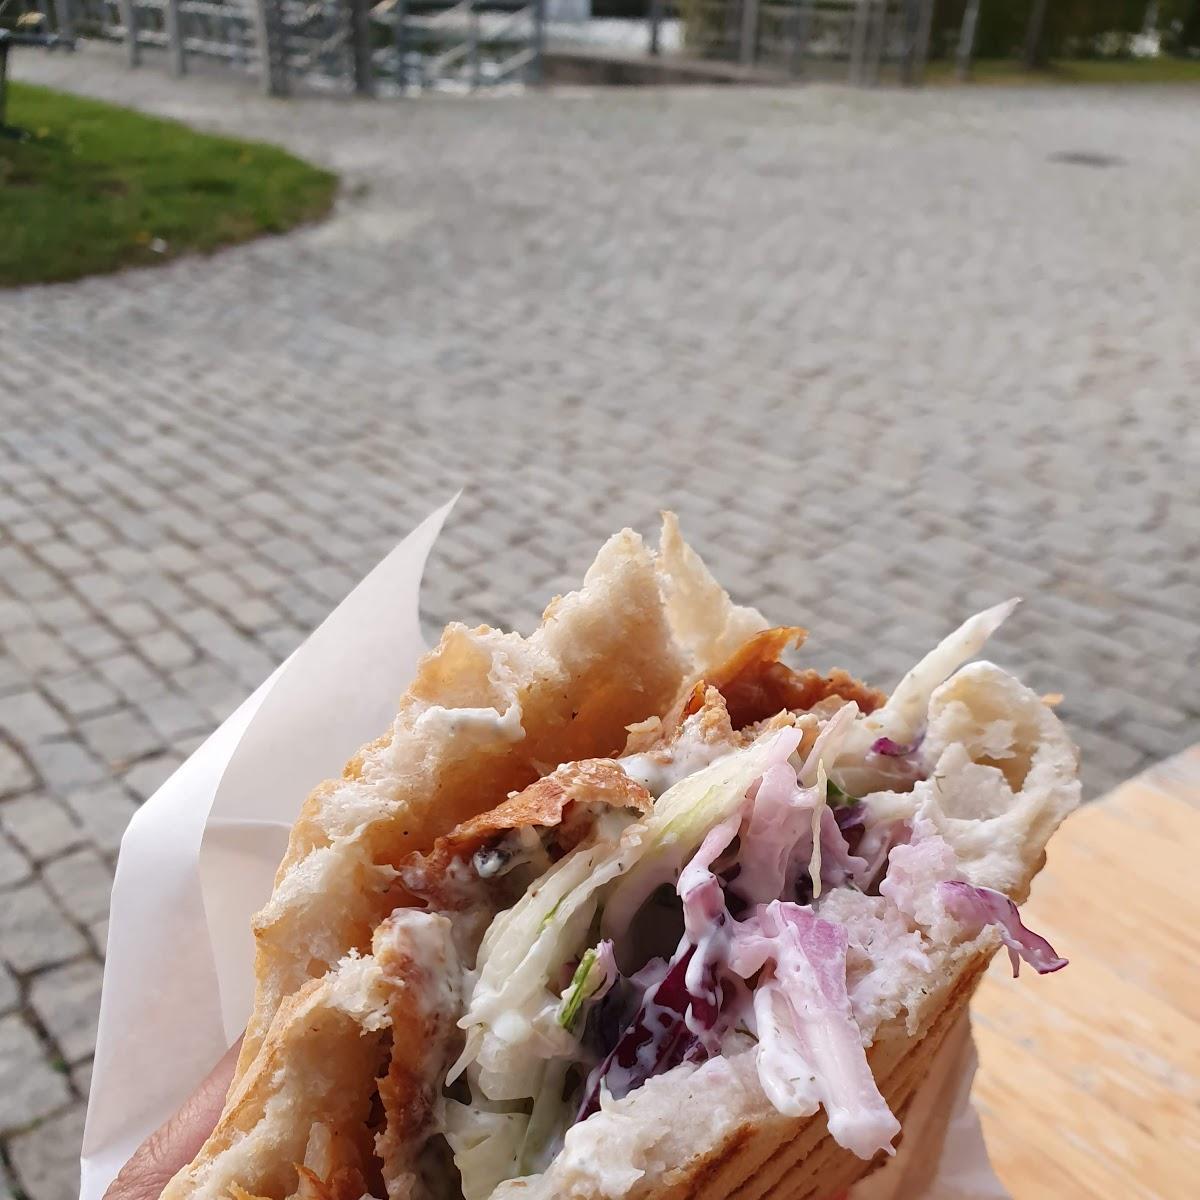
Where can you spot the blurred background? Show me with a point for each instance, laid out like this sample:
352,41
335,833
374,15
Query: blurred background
893,353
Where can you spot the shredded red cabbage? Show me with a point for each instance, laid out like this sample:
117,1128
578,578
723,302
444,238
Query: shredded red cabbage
980,906
679,1018
669,1028
780,821
851,819
899,763
893,749
810,1047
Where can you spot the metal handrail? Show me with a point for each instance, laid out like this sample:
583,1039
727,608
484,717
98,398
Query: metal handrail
455,54
845,14
15,37
220,12
310,54
448,16
207,46
462,22
516,17
514,63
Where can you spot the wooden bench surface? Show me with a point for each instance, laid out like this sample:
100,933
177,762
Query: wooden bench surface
1089,1079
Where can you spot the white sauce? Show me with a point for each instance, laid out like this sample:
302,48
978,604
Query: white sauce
425,939
454,721
659,770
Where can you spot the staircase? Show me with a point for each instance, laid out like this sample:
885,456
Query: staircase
463,47
390,48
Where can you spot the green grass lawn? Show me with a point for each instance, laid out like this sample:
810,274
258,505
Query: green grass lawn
1125,70
95,188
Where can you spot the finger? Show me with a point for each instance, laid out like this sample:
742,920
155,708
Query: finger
176,1142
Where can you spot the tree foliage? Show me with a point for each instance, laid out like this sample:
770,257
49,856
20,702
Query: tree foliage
1073,28
1179,21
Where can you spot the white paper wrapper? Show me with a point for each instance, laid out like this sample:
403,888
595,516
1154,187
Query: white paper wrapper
942,1155
199,858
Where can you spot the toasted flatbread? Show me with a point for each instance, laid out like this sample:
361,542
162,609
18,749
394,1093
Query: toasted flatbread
358,990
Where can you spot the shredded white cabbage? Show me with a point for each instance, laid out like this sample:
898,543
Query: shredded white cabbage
547,1122
829,743
486,1146
512,1017
902,717
814,863
682,817
903,714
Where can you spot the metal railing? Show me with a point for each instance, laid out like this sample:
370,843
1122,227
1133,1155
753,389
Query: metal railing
466,46
98,18
395,47
799,36
219,29
402,47
223,30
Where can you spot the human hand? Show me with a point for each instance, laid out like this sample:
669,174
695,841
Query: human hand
176,1142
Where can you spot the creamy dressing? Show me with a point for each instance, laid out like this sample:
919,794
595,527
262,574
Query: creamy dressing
523,948
517,848
704,911
683,815
415,952
451,722
660,770
426,940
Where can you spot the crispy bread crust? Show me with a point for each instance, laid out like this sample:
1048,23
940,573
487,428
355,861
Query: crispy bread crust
315,1068
542,804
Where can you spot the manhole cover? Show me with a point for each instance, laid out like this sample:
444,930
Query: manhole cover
1086,158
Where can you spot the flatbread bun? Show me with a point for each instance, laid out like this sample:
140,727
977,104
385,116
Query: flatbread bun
352,988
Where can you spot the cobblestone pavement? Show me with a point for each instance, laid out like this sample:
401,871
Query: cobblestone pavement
889,360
